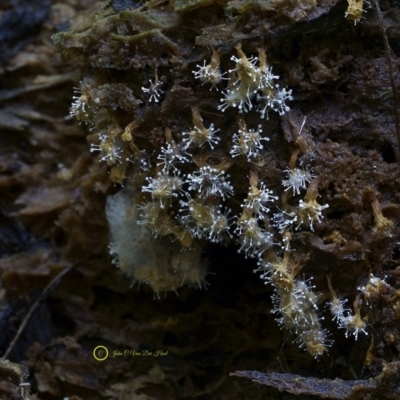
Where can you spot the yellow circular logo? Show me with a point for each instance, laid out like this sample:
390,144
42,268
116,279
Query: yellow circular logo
100,353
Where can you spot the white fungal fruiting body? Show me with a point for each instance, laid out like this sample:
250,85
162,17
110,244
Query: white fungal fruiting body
353,323
337,309
154,91
278,102
237,97
253,239
79,106
373,289
295,303
204,73
285,220
208,181
274,99
198,137
355,10
210,73
153,261
247,79
84,104
220,225
267,78
171,155
200,134
297,179
257,198
150,216
248,143
310,213
246,69
109,150
163,187
205,221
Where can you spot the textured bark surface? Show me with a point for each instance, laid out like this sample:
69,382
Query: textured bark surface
53,197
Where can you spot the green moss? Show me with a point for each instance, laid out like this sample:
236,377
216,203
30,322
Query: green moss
181,6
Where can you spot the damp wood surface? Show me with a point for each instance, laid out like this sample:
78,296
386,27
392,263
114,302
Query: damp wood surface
221,342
